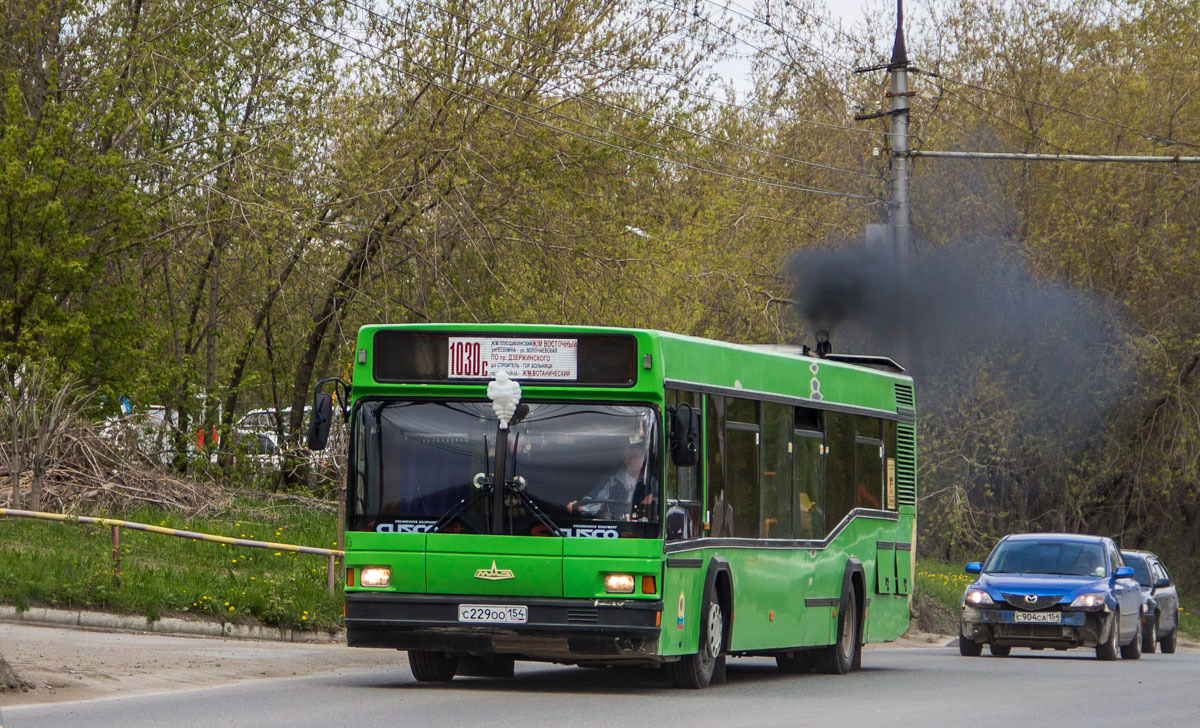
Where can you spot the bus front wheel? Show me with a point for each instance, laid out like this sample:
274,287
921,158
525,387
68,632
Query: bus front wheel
430,666
696,670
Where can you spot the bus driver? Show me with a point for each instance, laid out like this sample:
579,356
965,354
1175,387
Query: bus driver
626,494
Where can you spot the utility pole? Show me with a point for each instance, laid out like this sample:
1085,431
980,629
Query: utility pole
898,211
898,231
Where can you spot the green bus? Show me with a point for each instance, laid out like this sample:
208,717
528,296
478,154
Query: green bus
601,496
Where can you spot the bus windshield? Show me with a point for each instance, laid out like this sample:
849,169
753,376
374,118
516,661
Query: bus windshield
589,468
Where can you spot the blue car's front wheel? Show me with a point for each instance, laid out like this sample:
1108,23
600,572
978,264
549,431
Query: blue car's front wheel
1133,650
968,647
1107,650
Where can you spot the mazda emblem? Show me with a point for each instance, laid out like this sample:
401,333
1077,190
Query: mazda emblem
1031,598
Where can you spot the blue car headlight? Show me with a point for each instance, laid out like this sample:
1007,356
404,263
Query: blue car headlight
1090,601
977,598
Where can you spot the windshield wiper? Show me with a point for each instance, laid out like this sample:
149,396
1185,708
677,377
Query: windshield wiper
482,488
516,486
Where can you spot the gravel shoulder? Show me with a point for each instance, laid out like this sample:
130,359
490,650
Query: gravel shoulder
75,664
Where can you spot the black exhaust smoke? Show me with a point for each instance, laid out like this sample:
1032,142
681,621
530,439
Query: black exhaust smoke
963,314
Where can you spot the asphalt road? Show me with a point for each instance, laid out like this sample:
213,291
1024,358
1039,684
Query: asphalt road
926,687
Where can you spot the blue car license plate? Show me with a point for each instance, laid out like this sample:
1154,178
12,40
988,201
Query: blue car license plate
1037,617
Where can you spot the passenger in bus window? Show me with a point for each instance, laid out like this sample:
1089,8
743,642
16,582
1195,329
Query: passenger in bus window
866,499
629,493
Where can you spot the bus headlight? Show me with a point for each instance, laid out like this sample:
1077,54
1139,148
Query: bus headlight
375,576
618,583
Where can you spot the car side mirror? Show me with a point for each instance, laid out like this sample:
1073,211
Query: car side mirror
1123,572
1162,583
974,567
319,419
684,436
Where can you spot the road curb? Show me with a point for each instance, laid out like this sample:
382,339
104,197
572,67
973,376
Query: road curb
84,619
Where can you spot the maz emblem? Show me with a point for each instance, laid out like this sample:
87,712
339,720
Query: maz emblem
494,574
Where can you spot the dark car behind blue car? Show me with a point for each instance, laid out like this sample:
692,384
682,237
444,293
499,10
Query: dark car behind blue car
1160,620
1053,590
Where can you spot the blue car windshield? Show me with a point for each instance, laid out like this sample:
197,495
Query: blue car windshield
1068,558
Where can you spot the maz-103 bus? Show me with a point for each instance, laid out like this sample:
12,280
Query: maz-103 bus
648,489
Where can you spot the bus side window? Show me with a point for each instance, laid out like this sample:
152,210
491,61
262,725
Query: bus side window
889,464
868,462
776,474
808,474
839,467
683,491
742,465
721,519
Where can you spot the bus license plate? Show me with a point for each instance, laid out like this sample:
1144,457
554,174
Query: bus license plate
493,614
1037,617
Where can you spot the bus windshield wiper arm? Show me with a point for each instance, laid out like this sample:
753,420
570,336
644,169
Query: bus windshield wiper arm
482,488
517,487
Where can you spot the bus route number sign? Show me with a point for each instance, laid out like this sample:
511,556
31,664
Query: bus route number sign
532,358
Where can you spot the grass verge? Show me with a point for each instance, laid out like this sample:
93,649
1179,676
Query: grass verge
71,566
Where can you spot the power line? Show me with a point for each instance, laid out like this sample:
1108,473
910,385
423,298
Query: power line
817,19
710,99
1023,156
780,31
606,104
1147,135
763,51
1069,156
761,179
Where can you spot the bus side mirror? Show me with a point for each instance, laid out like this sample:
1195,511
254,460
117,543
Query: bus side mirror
319,419
684,437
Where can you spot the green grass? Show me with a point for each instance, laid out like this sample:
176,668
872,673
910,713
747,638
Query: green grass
943,582
946,583
71,565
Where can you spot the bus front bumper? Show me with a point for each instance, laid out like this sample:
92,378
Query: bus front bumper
568,630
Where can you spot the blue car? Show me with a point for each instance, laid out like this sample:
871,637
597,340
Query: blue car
1044,590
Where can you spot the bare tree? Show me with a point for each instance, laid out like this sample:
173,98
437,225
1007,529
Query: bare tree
39,406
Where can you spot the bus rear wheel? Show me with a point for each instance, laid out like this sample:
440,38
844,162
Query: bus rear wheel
696,670
428,666
839,658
